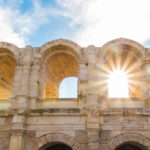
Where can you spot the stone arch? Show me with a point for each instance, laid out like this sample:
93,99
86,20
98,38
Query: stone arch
4,144
140,49
126,54
55,138
8,60
126,138
11,47
56,145
48,47
59,60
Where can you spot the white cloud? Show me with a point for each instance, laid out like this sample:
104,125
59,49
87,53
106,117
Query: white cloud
7,33
95,21
15,26
104,20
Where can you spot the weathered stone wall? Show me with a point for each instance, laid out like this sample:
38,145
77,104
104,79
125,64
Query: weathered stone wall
92,121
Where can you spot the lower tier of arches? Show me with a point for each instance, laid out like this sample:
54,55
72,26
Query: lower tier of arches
61,141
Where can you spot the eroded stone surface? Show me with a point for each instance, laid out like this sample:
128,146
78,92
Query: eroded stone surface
92,121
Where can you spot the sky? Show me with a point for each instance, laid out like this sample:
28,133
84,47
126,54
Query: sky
86,22
68,88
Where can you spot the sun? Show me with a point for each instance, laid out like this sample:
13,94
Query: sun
118,84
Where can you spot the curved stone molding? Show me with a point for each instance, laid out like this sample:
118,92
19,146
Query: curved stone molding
4,144
55,138
125,138
120,41
63,42
11,47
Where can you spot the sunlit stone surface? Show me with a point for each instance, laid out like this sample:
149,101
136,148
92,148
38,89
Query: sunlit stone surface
111,110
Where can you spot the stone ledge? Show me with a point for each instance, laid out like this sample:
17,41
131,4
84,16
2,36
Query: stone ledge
56,111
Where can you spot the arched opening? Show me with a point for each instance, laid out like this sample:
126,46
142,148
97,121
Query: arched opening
68,88
130,146
58,66
59,147
7,70
124,71
56,146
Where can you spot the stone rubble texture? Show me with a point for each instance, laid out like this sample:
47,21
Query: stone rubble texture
32,116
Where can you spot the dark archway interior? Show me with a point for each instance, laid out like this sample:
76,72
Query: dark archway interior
59,147
128,147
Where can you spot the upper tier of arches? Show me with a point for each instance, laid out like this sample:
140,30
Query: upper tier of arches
59,59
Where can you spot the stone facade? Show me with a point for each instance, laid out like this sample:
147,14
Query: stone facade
32,117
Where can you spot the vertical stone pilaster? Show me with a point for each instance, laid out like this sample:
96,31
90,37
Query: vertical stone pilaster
92,91
34,86
145,89
93,129
17,133
20,99
92,104
83,81
21,81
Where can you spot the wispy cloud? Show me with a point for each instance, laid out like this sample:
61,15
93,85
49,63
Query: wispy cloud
102,20
15,26
92,21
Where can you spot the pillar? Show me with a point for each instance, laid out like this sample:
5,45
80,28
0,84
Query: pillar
20,98
35,83
17,133
92,102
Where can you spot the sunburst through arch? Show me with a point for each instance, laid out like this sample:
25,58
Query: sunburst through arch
122,73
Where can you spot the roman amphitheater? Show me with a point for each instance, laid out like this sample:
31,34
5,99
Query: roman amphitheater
33,117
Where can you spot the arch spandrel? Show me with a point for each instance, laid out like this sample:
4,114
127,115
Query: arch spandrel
10,47
55,138
60,44
127,138
123,41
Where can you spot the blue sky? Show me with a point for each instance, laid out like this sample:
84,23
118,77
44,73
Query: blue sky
68,88
86,22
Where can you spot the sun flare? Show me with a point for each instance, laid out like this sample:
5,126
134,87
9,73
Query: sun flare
118,84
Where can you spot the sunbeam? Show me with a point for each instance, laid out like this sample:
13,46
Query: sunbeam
118,84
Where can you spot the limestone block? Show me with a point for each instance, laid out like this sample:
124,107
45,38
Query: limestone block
81,136
83,72
92,125
16,143
93,146
83,147
18,119
2,120
111,127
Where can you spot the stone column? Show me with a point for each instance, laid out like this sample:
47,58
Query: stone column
93,129
21,81
83,81
16,85
35,81
145,69
92,104
20,99
92,90
17,131
146,82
